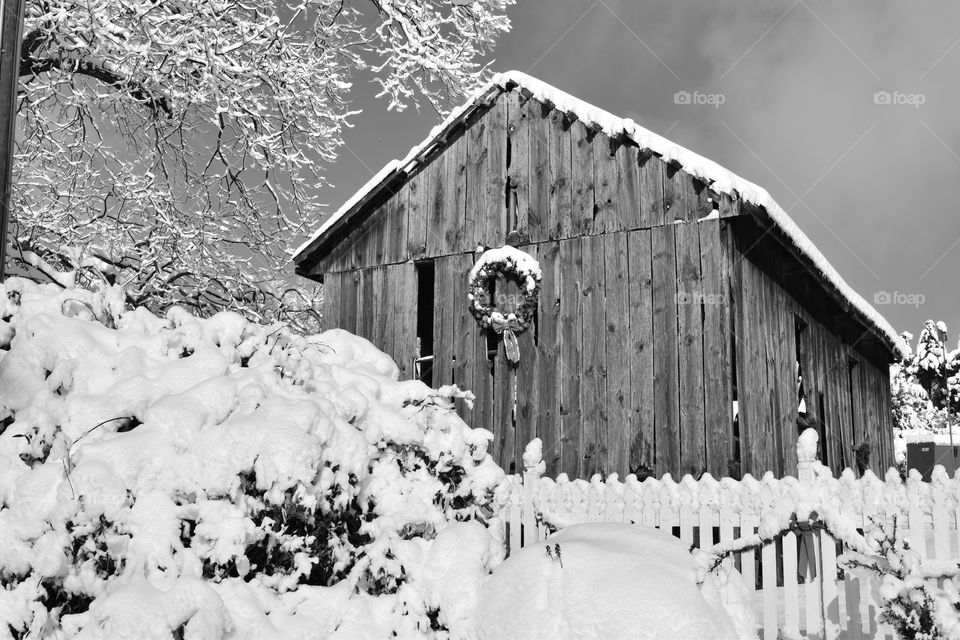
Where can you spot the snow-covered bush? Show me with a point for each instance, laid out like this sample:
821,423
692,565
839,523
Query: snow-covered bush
919,598
218,478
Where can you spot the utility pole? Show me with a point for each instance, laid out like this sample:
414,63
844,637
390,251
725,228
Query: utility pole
941,338
11,27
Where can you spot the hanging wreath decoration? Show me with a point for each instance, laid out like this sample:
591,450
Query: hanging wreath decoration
505,262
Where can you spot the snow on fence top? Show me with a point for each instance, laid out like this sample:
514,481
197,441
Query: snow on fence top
718,178
562,501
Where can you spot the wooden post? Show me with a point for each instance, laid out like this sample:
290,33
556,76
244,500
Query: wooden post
11,24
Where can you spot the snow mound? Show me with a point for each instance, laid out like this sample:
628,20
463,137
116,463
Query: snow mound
608,580
215,478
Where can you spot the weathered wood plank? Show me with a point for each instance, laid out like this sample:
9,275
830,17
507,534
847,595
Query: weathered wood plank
690,302
672,190
403,283
483,384
571,311
856,401
582,181
558,222
331,301
766,447
396,240
733,264
606,196
729,206
366,309
628,189
641,428
527,374
593,389
717,399
504,396
518,169
769,326
349,300
749,409
652,205
886,426
540,187
436,206
617,327
787,381
448,236
444,310
465,330
843,396
493,210
383,323
543,379
666,368
475,210
416,191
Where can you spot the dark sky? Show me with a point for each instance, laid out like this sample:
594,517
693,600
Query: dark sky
875,186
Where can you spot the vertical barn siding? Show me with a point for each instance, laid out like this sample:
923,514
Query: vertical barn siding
519,169
717,391
617,361
690,302
545,378
402,280
762,345
640,285
593,371
331,301
448,231
571,356
666,409
560,203
629,367
464,352
414,191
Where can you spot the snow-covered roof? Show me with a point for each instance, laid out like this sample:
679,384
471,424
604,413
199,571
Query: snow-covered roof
718,178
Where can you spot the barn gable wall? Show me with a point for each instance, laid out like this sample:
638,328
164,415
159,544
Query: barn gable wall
518,172
647,275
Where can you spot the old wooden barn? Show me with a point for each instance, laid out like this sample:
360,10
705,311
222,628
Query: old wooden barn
683,319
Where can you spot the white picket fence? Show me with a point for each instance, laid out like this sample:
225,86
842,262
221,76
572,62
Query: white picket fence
800,589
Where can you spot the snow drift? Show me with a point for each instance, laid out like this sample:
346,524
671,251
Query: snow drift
216,478
605,580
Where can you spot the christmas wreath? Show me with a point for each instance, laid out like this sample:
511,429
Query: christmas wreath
507,262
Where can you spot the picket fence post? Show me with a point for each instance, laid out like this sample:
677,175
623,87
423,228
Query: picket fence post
533,468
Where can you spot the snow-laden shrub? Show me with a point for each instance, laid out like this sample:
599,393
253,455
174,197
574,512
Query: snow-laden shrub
919,598
218,478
